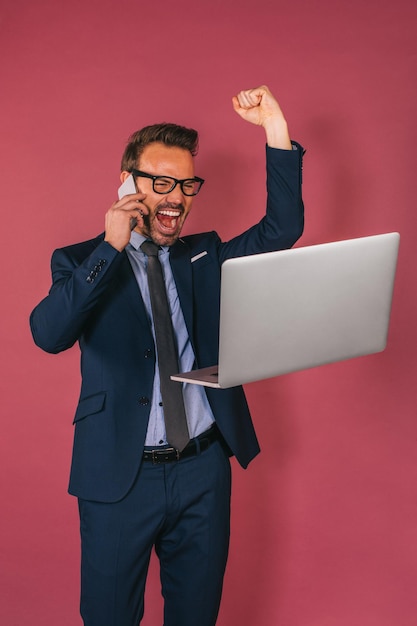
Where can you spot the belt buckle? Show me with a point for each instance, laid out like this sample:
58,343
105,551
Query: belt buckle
157,454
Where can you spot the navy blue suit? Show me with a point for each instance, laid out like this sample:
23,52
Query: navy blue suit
95,300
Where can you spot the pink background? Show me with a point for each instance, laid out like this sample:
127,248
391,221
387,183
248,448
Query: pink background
325,520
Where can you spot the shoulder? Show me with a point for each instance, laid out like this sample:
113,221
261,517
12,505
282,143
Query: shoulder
200,245
199,241
196,247
79,251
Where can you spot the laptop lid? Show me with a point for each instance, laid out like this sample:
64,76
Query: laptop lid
295,309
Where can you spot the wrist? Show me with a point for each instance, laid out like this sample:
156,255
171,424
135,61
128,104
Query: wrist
277,135
116,244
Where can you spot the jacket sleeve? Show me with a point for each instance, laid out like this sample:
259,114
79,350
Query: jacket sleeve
79,280
283,222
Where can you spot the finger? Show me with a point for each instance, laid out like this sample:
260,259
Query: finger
249,98
255,96
141,208
243,99
137,197
128,202
140,211
235,103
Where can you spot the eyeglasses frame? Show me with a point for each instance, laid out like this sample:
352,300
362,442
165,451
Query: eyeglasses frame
138,173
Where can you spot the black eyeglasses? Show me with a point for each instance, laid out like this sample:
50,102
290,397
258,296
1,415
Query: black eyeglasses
165,184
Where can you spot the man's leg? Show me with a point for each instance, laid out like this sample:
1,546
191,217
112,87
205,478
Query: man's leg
116,542
193,543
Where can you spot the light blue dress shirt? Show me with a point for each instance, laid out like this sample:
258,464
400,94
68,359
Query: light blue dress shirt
197,408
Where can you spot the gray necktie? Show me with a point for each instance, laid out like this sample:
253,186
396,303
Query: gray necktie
173,403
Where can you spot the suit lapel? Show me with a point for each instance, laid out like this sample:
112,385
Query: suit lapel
128,287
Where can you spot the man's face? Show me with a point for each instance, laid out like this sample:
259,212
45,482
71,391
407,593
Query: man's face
167,212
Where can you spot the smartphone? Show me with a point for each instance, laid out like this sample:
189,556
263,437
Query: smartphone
127,187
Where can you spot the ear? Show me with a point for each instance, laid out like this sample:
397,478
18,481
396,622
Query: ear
124,175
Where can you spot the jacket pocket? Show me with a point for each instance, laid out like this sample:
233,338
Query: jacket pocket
89,406
201,260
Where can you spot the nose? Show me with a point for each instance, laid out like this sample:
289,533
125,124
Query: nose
175,195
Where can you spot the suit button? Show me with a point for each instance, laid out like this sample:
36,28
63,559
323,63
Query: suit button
144,401
148,353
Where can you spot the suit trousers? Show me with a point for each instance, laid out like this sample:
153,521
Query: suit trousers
183,510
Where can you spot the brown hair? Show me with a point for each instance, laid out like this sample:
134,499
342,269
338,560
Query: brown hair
168,134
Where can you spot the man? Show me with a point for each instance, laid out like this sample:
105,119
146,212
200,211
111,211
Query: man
136,489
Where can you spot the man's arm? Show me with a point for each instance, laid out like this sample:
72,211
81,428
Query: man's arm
81,275
284,220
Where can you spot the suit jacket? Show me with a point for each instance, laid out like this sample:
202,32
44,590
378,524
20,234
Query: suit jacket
95,300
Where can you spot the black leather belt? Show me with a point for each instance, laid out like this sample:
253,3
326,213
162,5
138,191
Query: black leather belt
193,447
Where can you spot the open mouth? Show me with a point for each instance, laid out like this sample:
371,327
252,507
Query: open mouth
168,218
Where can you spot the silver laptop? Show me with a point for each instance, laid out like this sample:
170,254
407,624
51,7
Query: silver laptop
295,309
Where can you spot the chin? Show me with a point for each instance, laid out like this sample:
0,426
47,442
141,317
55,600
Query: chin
167,241
164,240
